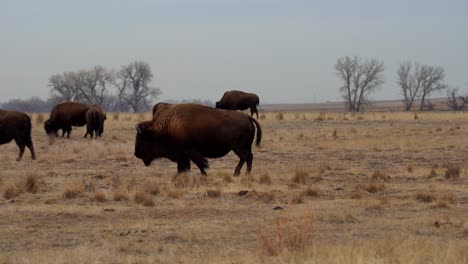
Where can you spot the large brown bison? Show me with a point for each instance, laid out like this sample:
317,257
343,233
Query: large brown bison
238,100
191,132
95,118
65,115
17,126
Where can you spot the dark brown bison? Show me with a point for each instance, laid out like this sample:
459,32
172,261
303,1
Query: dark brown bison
238,100
191,132
95,118
65,115
158,106
17,126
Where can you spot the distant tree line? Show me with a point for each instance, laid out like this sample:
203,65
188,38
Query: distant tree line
126,89
417,81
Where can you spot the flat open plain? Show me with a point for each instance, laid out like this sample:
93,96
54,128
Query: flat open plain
366,188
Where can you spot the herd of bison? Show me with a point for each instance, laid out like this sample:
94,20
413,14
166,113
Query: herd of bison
183,133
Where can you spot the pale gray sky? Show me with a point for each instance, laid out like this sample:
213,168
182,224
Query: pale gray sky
282,50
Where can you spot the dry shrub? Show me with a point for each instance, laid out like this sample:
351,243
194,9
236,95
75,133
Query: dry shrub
115,116
416,117
320,117
143,198
379,175
296,198
452,172
73,188
432,174
357,193
374,187
335,135
293,234
262,117
99,197
213,193
225,176
448,197
183,180
300,176
409,169
279,116
120,194
152,188
265,178
312,192
425,197
174,193
31,183
11,191
40,119
439,129
360,117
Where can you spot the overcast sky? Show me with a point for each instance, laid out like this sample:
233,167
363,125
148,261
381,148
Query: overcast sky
282,50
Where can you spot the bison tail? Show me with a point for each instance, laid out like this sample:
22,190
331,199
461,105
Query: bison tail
28,130
259,131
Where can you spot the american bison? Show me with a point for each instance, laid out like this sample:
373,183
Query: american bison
65,115
238,100
17,126
95,118
191,132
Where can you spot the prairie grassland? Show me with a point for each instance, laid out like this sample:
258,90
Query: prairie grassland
326,188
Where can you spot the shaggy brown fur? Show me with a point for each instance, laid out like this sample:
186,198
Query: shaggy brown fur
191,132
17,126
65,115
95,118
238,100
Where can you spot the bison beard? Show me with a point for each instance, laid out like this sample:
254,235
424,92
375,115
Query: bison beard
190,132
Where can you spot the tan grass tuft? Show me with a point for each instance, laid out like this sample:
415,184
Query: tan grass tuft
99,197
152,188
452,172
379,175
432,174
31,183
143,198
279,116
374,187
11,191
312,192
39,119
213,193
300,176
425,197
265,178
296,198
120,194
73,189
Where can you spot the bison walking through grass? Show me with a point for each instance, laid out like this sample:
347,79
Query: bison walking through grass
191,132
17,126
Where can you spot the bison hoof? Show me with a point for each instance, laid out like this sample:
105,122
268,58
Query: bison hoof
18,158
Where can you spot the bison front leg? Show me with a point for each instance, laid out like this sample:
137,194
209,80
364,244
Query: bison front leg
183,165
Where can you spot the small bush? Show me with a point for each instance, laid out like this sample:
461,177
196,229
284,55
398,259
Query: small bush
99,197
380,176
120,195
115,116
279,116
31,183
265,178
409,169
425,197
374,187
152,188
143,199
300,176
311,192
213,193
432,174
73,189
11,191
452,172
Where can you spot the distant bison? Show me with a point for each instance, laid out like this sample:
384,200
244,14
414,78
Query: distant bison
17,126
191,132
238,100
65,115
95,118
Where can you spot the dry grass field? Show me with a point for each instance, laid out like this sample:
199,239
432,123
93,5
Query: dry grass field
326,188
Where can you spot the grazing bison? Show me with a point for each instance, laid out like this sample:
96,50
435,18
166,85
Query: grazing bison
238,100
65,115
191,132
95,121
17,126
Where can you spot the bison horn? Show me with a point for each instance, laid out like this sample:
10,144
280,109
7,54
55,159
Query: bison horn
138,129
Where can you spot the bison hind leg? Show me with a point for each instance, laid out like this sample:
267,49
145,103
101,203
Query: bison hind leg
201,162
21,147
183,165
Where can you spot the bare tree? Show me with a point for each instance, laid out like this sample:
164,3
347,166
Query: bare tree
410,82
94,86
360,79
456,102
432,82
65,86
133,85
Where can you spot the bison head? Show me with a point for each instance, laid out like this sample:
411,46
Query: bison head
49,127
145,143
